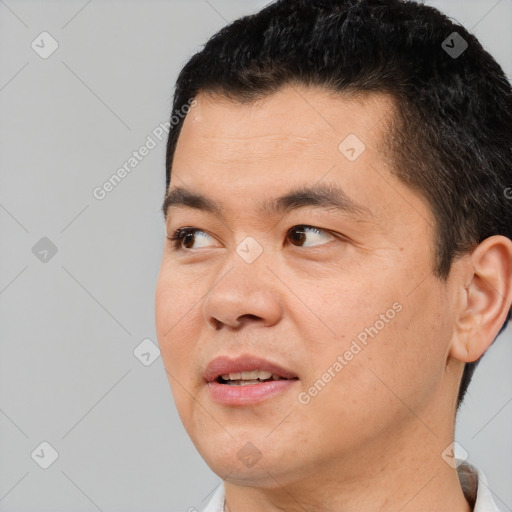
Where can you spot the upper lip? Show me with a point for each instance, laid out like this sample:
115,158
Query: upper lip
224,365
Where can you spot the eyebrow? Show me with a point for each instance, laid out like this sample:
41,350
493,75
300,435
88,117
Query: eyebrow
320,196
181,197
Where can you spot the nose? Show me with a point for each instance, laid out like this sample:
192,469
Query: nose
245,293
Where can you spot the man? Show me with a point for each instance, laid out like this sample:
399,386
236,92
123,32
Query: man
339,254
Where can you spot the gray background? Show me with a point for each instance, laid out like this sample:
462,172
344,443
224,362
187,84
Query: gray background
69,325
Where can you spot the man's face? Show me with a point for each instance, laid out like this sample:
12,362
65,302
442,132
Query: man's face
336,289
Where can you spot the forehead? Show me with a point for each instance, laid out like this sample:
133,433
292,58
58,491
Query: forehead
296,134
293,138
295,120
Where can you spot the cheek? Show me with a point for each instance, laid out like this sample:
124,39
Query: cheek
177,326
176,307
351,304
393,339
408,355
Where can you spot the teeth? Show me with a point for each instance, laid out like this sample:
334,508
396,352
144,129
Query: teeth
242,382
251,377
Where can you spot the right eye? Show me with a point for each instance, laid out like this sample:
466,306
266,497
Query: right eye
184,238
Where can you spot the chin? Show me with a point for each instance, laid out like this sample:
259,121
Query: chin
231,470
240,463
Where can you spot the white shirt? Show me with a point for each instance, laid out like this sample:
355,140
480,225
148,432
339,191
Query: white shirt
473,482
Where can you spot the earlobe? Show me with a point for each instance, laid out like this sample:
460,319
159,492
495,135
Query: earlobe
488,295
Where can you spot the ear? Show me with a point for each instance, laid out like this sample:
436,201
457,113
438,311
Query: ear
487,297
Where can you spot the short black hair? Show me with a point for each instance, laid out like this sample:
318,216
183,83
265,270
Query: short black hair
450,138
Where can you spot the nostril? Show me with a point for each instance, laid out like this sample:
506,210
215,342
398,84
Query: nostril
247,318
240,321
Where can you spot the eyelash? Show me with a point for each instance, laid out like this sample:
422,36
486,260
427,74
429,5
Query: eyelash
179,235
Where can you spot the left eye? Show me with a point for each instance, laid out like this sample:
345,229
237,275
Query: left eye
298,235
185,238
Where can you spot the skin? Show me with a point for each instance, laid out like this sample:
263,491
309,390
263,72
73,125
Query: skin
372,439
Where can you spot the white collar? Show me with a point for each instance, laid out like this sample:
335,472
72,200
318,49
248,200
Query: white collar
473,482
216,503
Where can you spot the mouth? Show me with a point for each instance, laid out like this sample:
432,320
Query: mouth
246,379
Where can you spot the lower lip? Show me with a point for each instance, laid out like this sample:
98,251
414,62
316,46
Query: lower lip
226,394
